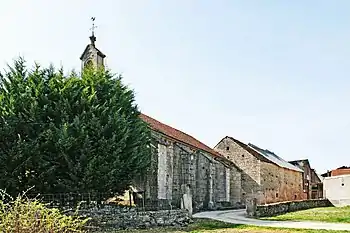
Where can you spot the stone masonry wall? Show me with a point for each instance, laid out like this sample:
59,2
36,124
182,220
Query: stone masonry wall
178,169
201,183
280,184
258,211
227,187
112,219
236,187
219,191
249,164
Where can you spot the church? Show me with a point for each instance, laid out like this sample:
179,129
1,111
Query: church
184,173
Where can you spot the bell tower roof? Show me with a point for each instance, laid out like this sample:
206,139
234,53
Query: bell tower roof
91,54
90,46
92,41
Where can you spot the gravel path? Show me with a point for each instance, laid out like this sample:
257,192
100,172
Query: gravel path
238,217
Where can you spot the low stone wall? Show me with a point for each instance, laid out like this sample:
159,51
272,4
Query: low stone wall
114,219
227,206
274,209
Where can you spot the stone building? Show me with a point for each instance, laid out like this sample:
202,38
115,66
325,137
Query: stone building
184,172
312,184
265,176
92,56
316,185
184,167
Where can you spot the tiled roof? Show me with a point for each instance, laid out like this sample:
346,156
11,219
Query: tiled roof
178,135
275,158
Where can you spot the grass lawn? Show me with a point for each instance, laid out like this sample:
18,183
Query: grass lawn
212,226
328,214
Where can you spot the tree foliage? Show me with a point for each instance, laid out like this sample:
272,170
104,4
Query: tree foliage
68,133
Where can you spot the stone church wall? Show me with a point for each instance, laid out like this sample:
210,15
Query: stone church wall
177,168
227,187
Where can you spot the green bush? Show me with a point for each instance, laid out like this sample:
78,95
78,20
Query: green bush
23,215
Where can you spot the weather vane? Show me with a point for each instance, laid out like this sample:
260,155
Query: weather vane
93,37
93,26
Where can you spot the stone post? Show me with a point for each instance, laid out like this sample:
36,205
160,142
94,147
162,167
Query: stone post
251,207
186,201
211,202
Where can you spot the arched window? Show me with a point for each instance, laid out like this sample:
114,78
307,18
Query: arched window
88,63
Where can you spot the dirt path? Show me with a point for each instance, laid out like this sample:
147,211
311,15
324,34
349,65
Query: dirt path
238,217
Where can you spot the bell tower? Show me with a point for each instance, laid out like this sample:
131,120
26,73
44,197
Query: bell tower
91,55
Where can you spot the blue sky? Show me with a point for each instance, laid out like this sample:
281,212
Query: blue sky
274,73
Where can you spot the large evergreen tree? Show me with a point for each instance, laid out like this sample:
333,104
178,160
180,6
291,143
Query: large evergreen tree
69,134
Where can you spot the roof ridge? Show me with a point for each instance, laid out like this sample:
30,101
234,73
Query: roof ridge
247,148
179,135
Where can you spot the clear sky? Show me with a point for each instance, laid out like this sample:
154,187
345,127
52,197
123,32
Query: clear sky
271,72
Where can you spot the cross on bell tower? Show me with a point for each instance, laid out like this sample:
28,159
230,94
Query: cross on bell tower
93,37
91,55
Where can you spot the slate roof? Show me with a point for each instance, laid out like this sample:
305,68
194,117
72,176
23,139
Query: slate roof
179,135
299,160
298,163
274,158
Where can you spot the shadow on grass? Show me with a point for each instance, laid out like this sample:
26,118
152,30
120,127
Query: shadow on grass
208,224
197,226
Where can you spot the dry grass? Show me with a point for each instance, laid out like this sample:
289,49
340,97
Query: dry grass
328,214
22,215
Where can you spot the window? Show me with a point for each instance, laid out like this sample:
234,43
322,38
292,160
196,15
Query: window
228,148
88,63
242,156
276,194
342,184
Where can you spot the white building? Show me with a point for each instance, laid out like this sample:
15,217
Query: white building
337,189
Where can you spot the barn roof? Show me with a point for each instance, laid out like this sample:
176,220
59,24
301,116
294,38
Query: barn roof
274,158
